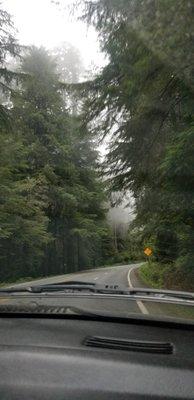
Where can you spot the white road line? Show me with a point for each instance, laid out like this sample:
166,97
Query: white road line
128,277
141,306
95,279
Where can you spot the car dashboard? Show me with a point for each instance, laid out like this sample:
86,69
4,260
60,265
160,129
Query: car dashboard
85,358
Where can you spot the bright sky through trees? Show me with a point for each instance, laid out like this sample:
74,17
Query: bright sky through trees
44,23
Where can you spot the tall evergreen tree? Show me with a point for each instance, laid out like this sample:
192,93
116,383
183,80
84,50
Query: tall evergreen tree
56,200
145,92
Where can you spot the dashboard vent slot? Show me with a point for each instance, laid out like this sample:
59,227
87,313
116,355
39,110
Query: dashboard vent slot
129,345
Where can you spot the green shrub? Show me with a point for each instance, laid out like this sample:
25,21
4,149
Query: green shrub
177,276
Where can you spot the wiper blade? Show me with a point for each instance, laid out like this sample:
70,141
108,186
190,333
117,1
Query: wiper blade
69,286
57,287
112,289
159,293
91,287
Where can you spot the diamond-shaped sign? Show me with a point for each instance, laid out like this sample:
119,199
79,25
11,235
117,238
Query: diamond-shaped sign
148,251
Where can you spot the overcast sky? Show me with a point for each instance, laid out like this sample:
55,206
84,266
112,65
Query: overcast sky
40,22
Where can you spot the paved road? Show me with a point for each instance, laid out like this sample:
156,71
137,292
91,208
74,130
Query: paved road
120,275
110,275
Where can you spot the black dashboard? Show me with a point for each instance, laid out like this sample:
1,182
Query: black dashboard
75,358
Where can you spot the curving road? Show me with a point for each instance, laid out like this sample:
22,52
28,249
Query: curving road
121,275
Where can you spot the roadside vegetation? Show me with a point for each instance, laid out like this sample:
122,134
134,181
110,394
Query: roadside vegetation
52,199
54,189
146,91
159,276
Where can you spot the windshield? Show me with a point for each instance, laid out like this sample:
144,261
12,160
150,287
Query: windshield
97,152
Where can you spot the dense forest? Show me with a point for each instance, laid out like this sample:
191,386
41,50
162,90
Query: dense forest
145,92
54,190
52,200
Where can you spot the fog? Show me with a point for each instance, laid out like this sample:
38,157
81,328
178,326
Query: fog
43,23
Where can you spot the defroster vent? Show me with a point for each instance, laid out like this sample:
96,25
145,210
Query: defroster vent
129,345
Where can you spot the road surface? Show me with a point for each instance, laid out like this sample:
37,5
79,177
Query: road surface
120,275
110,275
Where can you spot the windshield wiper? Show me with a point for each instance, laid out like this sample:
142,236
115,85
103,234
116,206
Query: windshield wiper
57,287
161,293
91,287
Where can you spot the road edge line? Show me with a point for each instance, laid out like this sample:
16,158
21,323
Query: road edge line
141,306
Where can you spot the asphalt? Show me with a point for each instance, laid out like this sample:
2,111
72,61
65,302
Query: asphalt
109,275
118,275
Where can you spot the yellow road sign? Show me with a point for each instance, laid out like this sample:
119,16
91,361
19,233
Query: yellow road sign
148,251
